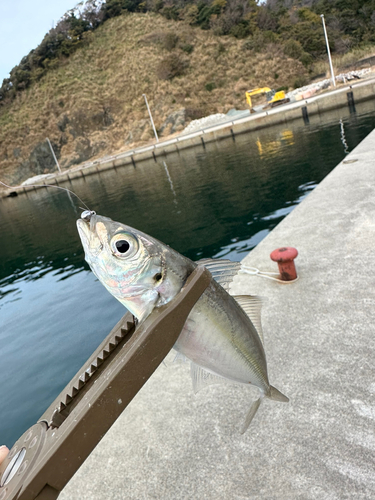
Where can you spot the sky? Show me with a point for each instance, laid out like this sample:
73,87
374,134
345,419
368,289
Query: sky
23,24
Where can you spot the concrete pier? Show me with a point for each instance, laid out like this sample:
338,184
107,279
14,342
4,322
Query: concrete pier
320,345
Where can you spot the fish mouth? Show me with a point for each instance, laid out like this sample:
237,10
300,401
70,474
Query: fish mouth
86,226
90,239
84,232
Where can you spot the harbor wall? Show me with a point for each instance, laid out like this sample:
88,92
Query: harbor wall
305,111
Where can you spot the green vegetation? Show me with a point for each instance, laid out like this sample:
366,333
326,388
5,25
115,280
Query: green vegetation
294,24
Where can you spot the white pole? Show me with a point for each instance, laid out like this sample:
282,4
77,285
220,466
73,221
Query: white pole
53,154
329,52
152,121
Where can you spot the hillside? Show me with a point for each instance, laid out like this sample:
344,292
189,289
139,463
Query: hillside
82,87
91,103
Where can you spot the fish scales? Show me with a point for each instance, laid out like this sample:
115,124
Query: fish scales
221,341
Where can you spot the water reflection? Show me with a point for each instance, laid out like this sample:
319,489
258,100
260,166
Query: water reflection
170,183
274,146
220,201
343,138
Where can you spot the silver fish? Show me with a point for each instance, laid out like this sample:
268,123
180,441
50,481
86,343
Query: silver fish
219,338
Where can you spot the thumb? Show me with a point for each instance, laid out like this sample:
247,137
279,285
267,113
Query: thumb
3,453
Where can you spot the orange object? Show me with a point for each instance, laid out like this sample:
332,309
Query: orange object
284,257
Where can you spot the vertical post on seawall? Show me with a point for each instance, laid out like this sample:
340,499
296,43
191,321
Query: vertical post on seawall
53,154
152,121
328,51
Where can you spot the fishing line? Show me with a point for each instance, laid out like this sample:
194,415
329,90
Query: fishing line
264,274
52,186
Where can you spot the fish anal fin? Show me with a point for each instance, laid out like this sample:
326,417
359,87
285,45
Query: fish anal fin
252,304
249,417
202,378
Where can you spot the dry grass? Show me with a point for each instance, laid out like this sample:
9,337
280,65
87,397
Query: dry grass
344,62
107,77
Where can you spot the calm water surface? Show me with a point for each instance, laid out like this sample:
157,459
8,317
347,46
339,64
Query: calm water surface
218,202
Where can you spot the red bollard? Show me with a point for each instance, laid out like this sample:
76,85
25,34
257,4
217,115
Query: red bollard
284,257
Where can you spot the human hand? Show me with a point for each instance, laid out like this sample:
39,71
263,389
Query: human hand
3,453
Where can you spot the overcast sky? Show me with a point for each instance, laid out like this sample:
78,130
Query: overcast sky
23,24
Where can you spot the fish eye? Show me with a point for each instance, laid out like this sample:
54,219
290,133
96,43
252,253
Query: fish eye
124,245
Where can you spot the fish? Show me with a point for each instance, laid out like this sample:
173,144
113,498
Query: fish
222,336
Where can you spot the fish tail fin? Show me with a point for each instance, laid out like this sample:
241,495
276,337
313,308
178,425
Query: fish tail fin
276,395
249,417
273,393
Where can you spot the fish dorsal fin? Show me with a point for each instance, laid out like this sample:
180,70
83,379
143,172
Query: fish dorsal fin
252,305
222,270
202,378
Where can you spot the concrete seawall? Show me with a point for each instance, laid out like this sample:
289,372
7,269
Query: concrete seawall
347,96
320,345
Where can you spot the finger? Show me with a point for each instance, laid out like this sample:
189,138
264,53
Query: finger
3,453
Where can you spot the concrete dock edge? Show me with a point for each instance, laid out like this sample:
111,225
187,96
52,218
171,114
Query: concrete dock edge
320,345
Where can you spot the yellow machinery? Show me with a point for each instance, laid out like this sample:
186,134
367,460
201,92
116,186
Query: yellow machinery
273,98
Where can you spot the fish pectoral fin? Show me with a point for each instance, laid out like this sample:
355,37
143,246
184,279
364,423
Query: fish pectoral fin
223,270
252,305
202,378
249,417
179,358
